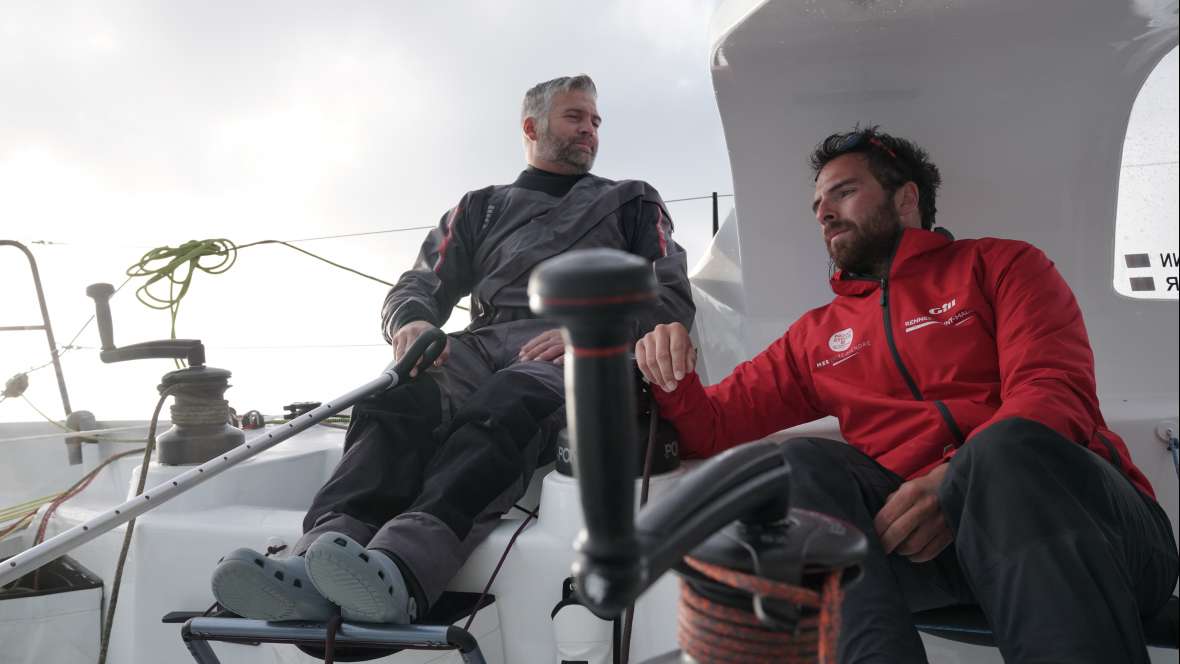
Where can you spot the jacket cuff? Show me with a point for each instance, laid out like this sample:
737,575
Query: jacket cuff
408,313
673,403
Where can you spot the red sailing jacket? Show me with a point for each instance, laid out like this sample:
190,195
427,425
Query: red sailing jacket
960,336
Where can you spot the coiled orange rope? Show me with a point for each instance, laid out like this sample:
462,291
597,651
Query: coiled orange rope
713,632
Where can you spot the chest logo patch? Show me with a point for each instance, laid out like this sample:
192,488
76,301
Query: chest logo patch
944,308
945,315
841,341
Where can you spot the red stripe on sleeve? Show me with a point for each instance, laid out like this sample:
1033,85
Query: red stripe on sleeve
660,231
442,250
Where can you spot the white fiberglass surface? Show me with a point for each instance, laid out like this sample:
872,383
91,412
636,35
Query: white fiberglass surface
1025,114
1147,229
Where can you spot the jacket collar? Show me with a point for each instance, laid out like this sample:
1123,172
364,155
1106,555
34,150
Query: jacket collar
913,243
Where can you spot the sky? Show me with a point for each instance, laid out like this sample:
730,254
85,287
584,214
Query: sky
126,126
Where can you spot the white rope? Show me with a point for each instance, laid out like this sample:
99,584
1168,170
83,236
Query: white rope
91,433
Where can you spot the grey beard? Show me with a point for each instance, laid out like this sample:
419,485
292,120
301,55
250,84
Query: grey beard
550,148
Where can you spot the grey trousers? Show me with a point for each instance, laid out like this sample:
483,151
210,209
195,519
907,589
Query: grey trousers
430,466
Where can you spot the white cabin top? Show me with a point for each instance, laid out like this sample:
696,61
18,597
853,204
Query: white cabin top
1028,137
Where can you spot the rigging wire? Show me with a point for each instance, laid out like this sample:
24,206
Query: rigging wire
362,233
697,198
68,346
273,346
52,421
70,431
53,243
287,243
87,433
63,349
192,252
188,257
385,231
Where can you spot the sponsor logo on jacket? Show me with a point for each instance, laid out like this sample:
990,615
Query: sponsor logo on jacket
942,309
840,341
841,344
940,314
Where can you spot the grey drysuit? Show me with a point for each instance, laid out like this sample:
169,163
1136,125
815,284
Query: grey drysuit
429,467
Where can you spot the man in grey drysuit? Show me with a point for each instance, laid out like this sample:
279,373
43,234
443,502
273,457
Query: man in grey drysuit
429,467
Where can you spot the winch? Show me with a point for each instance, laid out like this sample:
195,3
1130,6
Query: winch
201,424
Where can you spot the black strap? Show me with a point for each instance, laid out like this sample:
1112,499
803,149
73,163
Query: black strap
1114,454
330,640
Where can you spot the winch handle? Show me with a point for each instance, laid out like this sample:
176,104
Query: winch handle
189,350
101,293
424,351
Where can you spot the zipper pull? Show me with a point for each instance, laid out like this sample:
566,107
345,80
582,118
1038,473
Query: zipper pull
884,291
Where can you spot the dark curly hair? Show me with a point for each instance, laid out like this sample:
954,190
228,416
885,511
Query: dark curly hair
892,161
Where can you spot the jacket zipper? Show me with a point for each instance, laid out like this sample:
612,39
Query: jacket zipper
905,374
945,412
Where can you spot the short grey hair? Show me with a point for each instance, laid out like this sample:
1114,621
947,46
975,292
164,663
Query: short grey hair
538,101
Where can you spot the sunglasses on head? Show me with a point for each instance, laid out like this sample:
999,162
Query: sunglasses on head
860,138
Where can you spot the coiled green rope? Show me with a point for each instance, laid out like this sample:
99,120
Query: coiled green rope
177,265
190,255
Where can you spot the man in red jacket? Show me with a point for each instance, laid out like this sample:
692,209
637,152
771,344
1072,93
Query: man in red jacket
978,462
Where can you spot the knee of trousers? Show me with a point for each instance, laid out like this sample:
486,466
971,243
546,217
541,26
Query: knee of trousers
1013,448
512,402
817,467
1016,472
415,397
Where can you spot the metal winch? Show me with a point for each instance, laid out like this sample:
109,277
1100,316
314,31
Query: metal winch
202,426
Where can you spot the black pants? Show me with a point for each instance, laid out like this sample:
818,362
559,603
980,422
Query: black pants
429,466
1064,556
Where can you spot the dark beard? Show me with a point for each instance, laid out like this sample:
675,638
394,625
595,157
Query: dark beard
871,244
553,148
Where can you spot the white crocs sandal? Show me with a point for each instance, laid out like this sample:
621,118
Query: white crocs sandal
254,586
367,585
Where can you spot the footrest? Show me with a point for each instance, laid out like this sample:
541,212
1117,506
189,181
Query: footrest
379,639
355,642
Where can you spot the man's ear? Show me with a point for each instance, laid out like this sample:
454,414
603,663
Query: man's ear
905,202
530,128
